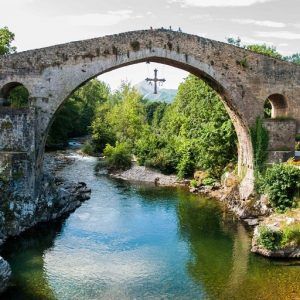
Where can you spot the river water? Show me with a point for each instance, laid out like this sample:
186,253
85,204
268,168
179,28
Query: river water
133,241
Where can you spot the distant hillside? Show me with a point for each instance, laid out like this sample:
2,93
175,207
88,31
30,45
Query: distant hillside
164,95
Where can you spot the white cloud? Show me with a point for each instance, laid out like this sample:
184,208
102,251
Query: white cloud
265,23
285,35
216,3
98,19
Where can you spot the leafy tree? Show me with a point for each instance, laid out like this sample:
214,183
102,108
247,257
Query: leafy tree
6,38
118,156
195,132
77,113
281,183
121,118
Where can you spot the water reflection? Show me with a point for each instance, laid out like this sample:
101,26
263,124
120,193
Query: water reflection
133,241
25,255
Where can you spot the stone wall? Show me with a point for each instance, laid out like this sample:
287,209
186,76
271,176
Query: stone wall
282,134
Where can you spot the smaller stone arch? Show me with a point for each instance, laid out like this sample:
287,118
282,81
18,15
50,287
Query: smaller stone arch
275,106
14,95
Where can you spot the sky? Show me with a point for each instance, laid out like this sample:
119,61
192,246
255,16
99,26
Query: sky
40,23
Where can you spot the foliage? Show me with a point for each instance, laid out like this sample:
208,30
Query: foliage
118,156
75,116
294,58
270,239
291,234
268,109
195,132
121,118
281,183
264,49
88,148
6,38
208,181
261,49
18,97
236,42
194,183
279,238
260,139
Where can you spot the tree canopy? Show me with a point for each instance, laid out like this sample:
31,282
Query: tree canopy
6,38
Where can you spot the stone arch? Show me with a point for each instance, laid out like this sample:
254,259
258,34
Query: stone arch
278,105
8,94
228,95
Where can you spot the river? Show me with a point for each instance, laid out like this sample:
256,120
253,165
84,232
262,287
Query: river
132,241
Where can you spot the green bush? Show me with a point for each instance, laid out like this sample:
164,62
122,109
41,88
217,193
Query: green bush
291,234
208,181
193,183
270,239
88,148
118,157
281,183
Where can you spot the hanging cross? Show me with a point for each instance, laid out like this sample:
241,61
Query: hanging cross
155,80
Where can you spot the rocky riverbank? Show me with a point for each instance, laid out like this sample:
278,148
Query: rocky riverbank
143,174
278,235
58,197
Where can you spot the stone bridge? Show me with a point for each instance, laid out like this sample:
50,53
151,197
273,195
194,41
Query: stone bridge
243,79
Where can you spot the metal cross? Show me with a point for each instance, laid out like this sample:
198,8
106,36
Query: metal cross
155,80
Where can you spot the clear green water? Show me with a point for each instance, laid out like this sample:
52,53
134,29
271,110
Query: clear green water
137,242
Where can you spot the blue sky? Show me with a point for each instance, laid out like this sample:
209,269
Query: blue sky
40,23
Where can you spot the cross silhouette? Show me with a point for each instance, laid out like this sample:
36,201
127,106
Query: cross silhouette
155,80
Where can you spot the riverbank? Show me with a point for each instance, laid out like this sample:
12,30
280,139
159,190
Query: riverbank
255,211
143,174
250,210
278,235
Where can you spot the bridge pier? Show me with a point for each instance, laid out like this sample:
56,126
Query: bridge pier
282,133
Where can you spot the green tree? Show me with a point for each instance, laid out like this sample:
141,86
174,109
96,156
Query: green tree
76,115
6,38
194,133
120,119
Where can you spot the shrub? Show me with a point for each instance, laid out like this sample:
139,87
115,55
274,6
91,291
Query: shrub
270,239
193,183
281,184
208,181
118,157
88,148
291,234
